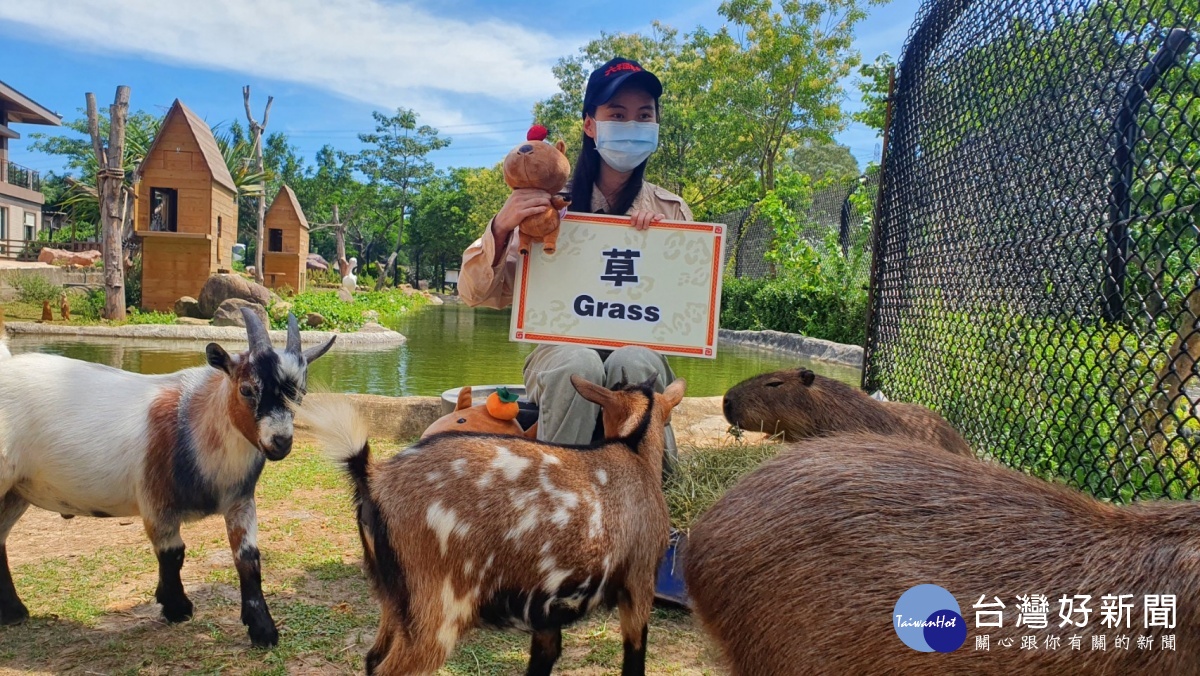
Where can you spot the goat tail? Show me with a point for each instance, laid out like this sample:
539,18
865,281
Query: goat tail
341,431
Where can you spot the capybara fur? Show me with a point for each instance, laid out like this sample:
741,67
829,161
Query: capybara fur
798,567
799,404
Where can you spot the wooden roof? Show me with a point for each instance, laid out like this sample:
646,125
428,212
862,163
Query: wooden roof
204,138
22,109
285,192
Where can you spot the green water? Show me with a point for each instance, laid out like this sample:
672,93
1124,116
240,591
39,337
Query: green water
448,346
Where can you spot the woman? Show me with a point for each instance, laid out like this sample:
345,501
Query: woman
620,131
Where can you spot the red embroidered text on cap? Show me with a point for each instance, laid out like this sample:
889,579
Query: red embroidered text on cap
621,66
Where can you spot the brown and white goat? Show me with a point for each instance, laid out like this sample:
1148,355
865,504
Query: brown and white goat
84,439
800,404
798,567
468,529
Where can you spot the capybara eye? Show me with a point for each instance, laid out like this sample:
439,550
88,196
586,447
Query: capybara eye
775,383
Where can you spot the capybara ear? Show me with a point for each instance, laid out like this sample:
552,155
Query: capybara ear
807,377
464,398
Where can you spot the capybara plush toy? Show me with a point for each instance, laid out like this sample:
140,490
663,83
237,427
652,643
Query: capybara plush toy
497,415
799,404
799,568
536,164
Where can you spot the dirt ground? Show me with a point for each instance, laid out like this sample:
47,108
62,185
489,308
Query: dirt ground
89,585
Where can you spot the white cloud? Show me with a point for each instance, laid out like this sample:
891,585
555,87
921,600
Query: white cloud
383,54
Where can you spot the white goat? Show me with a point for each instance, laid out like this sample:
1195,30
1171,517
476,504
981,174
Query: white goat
84,439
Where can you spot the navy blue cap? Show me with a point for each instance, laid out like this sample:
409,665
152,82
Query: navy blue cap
616,73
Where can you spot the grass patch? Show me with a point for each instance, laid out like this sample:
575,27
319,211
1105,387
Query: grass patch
93,608
702,476
389,304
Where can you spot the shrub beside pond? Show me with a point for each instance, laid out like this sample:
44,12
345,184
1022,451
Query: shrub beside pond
390,304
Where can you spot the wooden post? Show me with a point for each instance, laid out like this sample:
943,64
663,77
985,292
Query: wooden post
110,180
257,130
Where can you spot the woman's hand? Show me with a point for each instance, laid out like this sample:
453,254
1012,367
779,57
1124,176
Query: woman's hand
521,204
643,219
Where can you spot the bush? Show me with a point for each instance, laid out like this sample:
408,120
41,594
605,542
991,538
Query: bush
342,316
91,304
821,294
34,288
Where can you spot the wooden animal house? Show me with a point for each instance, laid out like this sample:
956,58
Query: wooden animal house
186,210
285,259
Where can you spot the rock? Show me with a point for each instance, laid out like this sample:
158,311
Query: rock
407,288
434,300
220,288
316,262
229,313
314,320
345,296
279,311
84,259
372,327
191,321
423,284
188,307
371,315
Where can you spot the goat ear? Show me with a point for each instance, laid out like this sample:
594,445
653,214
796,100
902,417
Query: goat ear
591,391
218,358
807,377
464,398
312,353
674,392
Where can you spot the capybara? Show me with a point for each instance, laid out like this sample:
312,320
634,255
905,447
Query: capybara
798,567
800,404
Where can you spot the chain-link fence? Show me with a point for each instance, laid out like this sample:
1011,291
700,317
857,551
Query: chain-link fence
841,210
1037,252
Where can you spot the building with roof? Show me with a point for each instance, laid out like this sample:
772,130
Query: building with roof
186,210
21,197
285,259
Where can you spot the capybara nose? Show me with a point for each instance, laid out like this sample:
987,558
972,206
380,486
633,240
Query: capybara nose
728,410
525,149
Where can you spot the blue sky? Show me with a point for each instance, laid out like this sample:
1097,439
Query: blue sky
472,68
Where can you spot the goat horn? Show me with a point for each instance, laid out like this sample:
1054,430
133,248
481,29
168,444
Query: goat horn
293,338
260,340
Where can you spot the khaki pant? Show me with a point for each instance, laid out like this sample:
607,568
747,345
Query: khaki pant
564,417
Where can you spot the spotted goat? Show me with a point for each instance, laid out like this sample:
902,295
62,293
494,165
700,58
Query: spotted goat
468,529
83,439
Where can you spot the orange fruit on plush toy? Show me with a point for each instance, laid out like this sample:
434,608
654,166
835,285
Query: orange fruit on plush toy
502,404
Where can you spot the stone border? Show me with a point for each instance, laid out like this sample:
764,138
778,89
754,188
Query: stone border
794,343
380,337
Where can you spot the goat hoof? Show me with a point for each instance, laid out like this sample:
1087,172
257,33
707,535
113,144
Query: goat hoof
264,637
177,612
14,614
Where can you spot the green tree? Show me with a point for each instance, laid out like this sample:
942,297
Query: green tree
874,89
823,160
396,157
782,65
486,192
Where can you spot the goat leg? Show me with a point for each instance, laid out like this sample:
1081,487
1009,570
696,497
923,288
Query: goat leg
634,606
544,650
12,611
241,523
169,548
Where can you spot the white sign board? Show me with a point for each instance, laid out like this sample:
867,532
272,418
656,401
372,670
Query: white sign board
609,285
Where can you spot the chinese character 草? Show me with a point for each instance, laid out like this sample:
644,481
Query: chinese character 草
618,269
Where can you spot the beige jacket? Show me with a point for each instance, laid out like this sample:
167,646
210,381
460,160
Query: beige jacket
481,285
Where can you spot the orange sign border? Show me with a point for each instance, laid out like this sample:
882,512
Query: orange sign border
709,351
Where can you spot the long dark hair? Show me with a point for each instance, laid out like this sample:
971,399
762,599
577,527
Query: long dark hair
587,170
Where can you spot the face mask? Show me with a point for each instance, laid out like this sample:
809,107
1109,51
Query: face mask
625,145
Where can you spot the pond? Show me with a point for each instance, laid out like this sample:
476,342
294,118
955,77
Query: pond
448,346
